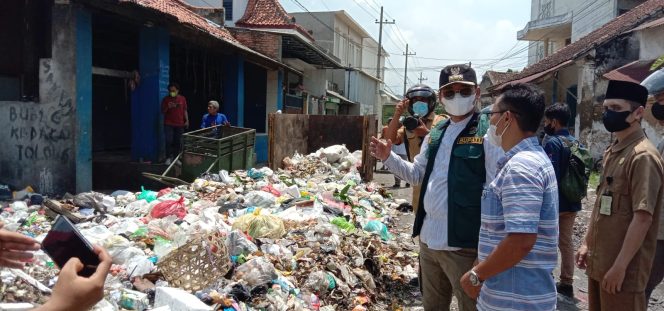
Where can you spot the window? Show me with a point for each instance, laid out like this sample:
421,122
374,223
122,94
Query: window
23,47
228,9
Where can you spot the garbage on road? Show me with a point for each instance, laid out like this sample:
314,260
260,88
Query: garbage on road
309,237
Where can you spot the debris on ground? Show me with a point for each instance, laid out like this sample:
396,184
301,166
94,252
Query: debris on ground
312,236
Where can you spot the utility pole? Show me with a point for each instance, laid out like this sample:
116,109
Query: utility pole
405,72
380,40
421,78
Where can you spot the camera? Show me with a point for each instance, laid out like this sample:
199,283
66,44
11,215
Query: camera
411,123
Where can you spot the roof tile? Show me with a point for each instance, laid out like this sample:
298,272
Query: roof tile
180,11
610,30
269,14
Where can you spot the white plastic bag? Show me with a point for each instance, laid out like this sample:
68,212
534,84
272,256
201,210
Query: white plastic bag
260,199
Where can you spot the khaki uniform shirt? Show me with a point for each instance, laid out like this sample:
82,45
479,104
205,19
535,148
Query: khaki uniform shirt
633,177
414,144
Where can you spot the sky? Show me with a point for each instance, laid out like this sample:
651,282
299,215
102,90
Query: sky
440,32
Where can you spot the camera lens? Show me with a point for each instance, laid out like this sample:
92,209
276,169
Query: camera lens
410,123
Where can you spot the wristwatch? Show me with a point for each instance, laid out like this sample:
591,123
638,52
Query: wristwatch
475,279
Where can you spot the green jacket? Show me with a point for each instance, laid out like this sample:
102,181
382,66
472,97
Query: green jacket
466,178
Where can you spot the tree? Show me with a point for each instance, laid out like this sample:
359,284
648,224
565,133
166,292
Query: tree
658,63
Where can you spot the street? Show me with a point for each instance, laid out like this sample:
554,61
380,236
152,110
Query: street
580,301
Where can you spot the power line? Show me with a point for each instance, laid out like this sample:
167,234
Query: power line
545,34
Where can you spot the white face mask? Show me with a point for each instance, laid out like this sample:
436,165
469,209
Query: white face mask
494,138
459,105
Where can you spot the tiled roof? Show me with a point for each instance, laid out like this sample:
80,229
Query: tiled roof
185,16
498,77
610,30
635,71
269,14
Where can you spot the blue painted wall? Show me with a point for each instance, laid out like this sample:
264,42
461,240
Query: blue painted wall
261,148
146,117
233,89
280,90
83,100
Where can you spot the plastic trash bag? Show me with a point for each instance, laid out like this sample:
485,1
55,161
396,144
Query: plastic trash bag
277,251
5,192
167,208
164,191
255,272
261,226
147,195
343,224
319,282
255,174
376,226
163,246
225,177
92,200
139,265
238,244
334,153
137,208
259,199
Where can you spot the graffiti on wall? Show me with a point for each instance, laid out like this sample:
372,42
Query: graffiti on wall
37,133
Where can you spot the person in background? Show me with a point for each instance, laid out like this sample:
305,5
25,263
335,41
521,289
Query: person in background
176,120
556,145
419,100
71,292
400,150
519,226
213,117
655,85
619,247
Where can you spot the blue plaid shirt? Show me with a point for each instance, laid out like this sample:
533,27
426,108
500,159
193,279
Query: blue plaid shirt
523,198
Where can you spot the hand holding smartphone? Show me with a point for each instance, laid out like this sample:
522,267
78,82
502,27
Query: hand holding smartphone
64,242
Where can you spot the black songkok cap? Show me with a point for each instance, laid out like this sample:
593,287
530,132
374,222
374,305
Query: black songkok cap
628,91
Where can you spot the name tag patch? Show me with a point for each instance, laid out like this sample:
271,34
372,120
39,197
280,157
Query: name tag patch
470,140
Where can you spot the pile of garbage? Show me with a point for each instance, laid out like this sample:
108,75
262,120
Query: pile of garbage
312,236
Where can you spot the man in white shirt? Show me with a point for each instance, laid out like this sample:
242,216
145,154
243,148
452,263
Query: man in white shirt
454,163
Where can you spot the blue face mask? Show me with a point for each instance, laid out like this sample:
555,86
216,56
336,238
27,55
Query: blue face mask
420,108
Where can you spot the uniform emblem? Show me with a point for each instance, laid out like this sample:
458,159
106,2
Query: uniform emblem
472,130
471,140
455,74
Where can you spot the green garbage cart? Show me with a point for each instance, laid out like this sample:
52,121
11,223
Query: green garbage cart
210,150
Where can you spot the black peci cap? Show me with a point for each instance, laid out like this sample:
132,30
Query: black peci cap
461,73
628,91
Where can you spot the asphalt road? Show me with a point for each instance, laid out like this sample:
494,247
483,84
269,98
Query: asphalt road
580,301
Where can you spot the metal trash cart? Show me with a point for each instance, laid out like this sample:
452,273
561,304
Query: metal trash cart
209,150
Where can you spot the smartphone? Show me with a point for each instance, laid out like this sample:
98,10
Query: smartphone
64,242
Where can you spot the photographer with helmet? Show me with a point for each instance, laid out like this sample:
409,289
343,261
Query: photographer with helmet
420,101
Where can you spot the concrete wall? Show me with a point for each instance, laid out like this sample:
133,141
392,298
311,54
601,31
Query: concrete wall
592,87
38,140
363,90
315,81
323,35
651,43
592,16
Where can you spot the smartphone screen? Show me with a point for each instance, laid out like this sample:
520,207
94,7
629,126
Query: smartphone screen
64,241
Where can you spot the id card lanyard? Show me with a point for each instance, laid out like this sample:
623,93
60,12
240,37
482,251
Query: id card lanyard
606,200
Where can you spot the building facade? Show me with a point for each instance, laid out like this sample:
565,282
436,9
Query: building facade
555,24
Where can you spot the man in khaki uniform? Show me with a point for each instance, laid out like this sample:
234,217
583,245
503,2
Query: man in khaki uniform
415,96
619,247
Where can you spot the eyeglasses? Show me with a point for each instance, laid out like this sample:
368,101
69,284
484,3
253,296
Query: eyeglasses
465,91
490,113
